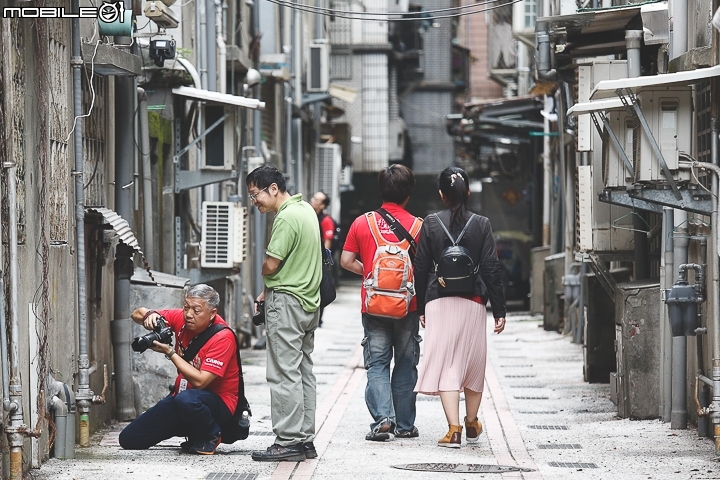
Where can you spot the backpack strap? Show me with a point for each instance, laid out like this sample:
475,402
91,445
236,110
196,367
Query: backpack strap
400,231
375,230
465,228
454,241
200,340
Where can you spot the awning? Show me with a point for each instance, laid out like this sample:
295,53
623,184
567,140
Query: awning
587,107
607,88
219,98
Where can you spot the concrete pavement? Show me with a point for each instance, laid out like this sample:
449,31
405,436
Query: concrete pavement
537,414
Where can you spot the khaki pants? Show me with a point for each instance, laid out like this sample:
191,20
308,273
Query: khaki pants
290,341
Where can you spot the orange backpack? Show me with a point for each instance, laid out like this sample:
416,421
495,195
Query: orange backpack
389,287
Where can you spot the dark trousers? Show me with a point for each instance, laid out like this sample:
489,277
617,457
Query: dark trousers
192,413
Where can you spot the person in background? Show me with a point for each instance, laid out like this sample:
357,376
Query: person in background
320,201
292,272
390,399
455,326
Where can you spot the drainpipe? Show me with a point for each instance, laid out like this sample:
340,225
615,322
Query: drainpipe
221,47
678,415
543,54
121,326
4,349
148,233
715,405
666,338
84,395
633,42
16,425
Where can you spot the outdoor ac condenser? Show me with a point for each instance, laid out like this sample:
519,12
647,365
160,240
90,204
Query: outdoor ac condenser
224,235
624,125
219,148
668,111
318,68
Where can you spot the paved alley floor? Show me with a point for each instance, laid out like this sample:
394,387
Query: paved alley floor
537,415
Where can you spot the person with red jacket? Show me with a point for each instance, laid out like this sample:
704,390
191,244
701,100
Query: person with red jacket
390,399
205,392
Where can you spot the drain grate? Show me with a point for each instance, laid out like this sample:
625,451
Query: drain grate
520,376
548,427
230,476
515,366
531,398
428,398
262,434
338,350
561,446
531,412
572,465
512,356
460,468
527,386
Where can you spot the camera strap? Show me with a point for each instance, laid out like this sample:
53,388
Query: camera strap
199,341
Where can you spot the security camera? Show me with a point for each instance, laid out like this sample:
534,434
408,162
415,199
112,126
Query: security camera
161,50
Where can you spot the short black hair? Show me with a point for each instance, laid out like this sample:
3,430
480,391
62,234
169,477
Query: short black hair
326,202
264,176
396,183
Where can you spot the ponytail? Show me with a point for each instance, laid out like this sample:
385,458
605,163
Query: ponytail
454,184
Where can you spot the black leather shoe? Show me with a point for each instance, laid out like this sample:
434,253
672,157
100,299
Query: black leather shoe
309,449
279,453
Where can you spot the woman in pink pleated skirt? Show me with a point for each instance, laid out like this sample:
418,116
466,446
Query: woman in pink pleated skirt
456,272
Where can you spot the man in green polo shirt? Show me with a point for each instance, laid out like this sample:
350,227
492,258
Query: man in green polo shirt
292,272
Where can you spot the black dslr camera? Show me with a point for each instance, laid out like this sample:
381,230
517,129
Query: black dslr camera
259,318
162,333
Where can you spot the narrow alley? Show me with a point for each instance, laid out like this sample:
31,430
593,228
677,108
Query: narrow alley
539,417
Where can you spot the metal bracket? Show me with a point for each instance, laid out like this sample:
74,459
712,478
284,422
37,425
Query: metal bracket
603,275
187,179
635,108
615,141
176,157
652,200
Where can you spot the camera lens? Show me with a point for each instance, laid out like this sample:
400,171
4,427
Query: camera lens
162,333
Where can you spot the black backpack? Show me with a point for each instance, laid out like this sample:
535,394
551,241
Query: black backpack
455,270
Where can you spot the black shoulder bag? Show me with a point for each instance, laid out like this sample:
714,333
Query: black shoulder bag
238,426
399,231
327,283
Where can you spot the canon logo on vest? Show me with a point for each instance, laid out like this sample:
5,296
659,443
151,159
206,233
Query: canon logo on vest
212,361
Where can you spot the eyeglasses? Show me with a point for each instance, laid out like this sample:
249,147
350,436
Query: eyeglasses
253,197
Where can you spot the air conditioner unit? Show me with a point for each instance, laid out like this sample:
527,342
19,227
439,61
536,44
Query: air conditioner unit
588,77
219,146
318,69
625,128
160,13
668,111
329,166
224,235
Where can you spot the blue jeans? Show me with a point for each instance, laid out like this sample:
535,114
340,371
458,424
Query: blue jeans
192,413
391,398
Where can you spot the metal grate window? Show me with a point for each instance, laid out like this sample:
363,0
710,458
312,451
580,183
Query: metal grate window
341,28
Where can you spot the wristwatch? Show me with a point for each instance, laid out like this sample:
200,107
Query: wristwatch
169,355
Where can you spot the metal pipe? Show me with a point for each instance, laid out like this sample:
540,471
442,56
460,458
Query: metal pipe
543,59
148,232
715,291
259,221
121,325
61,411
3,348
547,174
678,415
666,338
221,47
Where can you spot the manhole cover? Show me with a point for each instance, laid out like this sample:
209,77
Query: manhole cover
572,465
548,427
460,468
516,366
531,398
561,446
519,376
540,412
230,476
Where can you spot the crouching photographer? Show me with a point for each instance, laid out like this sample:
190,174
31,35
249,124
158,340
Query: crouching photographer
208,397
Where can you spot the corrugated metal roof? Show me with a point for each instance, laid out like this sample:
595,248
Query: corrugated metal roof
123,230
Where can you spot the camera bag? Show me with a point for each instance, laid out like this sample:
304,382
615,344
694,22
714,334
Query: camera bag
238,426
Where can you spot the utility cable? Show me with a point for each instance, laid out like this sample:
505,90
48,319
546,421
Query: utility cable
354,15
92,89
333,11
